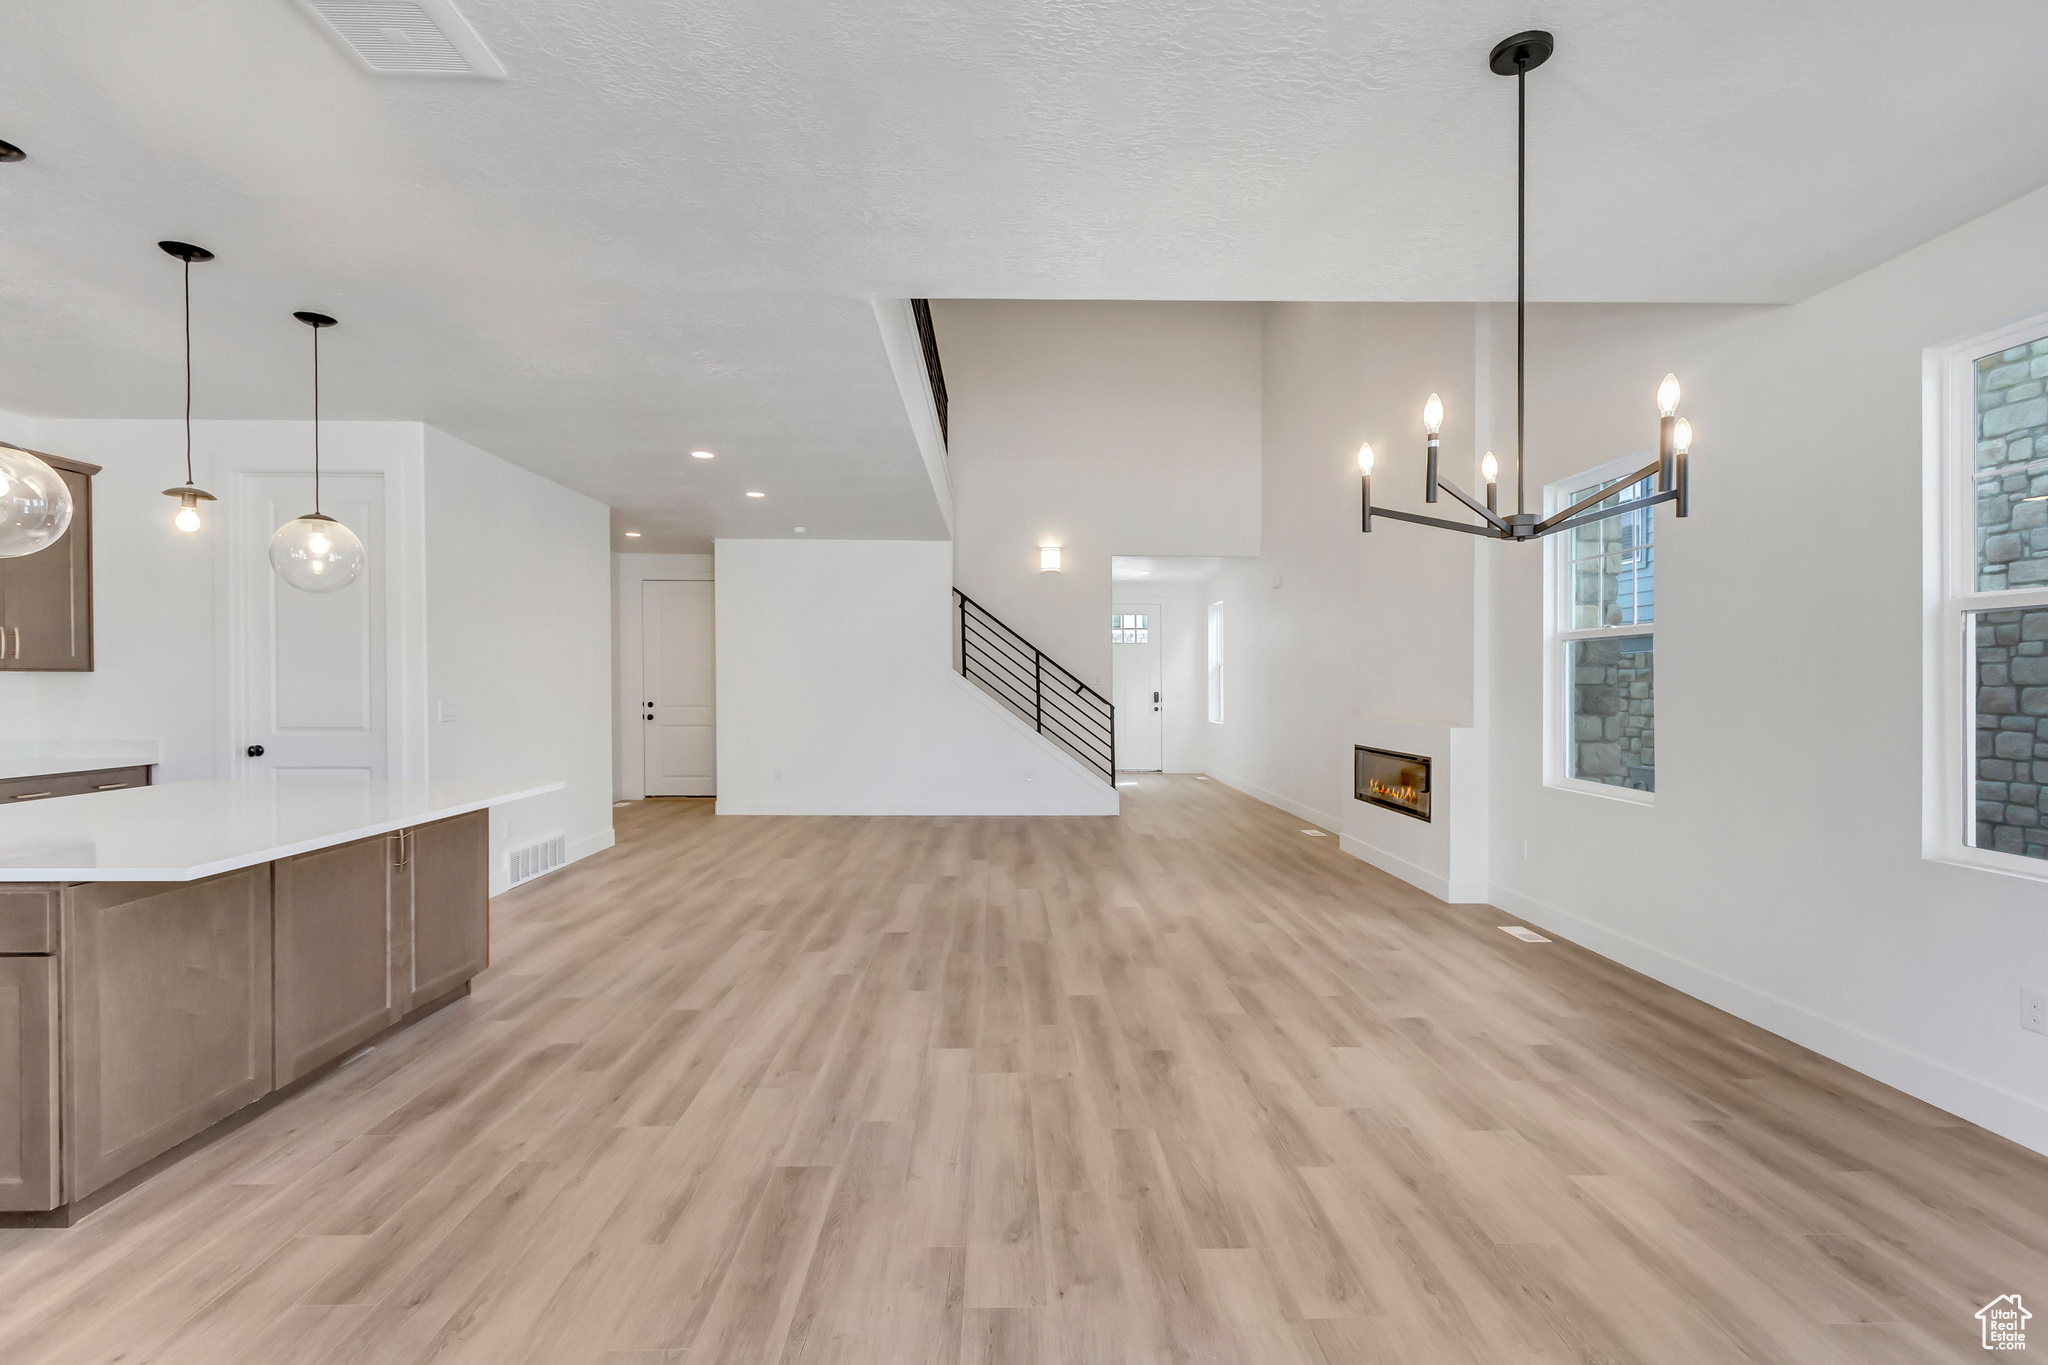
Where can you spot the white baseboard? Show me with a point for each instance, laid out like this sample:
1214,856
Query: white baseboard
1413,874
589,844
1966,1096
1295,808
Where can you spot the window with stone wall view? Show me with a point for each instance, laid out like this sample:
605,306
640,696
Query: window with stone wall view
1613,721
1610,645
2010,664
2012,468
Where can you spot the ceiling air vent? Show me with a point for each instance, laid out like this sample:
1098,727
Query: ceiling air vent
408,37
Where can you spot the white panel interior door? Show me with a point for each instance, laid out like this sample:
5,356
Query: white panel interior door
1134,660
313,664
678,716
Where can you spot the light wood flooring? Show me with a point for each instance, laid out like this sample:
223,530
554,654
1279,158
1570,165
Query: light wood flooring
1186,1085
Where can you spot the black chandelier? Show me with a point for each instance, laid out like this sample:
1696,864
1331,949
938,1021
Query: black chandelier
1517,57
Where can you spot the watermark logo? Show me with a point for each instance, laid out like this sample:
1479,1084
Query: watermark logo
2005,1323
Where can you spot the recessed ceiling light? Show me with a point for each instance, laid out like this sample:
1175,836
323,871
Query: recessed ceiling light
632,535
752,494
798,529
702,455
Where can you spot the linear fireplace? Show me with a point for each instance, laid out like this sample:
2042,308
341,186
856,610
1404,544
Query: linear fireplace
1383,777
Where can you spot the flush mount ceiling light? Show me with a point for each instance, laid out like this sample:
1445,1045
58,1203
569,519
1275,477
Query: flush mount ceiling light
191,495
702,455
632,535
1517,57
316,553
757,495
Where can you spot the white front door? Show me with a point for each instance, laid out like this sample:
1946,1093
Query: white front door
677,716
1134,658
313,680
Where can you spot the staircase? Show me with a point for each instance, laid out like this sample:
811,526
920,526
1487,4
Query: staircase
1056,703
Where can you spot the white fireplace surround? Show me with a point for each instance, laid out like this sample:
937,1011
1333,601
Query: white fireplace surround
1447,855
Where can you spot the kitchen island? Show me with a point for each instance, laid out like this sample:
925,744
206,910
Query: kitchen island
174,958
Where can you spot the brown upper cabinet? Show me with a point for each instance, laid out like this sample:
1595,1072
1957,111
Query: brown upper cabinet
46,597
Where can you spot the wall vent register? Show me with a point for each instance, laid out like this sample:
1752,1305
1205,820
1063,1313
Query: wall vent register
1383,777
524,864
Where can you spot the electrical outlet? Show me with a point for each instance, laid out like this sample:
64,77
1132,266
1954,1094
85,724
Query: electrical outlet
2034,1011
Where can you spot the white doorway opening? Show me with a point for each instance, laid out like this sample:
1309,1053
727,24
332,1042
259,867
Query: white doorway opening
1136,647
678,715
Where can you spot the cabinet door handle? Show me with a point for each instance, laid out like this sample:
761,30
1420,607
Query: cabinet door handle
27,796
109,786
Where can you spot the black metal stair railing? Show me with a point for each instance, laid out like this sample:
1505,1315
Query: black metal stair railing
1015,672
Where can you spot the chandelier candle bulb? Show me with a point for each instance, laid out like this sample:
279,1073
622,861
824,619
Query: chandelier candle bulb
1490,468
1681,442
1365,485
1432,422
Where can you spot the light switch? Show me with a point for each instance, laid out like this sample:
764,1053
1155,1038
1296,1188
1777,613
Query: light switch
447,713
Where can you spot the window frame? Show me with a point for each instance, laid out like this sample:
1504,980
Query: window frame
1951,597
1559,634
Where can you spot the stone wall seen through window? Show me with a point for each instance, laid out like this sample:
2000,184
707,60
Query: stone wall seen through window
2012,468
2011,794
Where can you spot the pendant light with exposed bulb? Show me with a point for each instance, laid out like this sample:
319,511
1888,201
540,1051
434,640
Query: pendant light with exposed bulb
191,495
316,553
35,503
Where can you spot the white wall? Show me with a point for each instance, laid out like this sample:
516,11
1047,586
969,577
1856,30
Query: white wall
629,573
1779,874
1107,428
837,696
163,621
519,644
1330,624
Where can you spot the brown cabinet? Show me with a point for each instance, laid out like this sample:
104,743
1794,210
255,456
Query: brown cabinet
339,931
28,1083
166,1018
448,875
135,1015
70,784
46,597
369,931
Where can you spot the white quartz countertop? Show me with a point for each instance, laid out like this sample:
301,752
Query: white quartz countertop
182,831
44,757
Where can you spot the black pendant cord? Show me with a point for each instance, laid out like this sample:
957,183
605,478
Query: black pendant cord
316,421
188,373
1521,253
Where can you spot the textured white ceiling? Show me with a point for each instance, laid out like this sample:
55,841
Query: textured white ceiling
660,232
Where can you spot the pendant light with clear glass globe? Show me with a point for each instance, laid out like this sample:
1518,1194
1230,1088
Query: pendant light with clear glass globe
190,495
35,503
316,553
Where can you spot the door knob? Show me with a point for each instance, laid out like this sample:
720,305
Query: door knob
255,751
